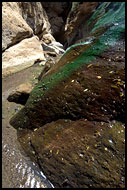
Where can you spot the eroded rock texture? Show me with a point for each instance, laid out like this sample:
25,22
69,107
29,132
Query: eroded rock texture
76,27
73,122
23,22
14,27
36,17
57,14
88,92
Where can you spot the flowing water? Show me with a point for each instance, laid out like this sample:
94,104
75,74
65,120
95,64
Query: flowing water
18,171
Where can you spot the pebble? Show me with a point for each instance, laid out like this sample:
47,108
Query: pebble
81,155
17,109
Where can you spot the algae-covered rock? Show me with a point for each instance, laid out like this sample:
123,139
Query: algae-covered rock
81,24
88,81
95,91
79,154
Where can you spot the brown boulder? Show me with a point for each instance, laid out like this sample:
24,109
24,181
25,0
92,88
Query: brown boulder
78,154
94,91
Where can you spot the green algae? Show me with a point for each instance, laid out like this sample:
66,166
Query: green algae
98,13
110,15
86,55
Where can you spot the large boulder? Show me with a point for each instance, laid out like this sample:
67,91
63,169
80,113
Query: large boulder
73,89
21,22
94,91
22,55
78,154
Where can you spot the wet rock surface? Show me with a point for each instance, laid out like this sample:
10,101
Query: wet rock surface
73,122
77,136
95,91
84,17
53,47
78,153
78,16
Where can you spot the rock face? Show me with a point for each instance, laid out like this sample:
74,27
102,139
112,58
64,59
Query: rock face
23,23
36,17
14,27
21,20
73,122
22,55
78,16
88,92
57,14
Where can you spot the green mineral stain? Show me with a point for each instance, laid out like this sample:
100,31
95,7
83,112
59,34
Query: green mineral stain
66,70
98,12
89,54
111,16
